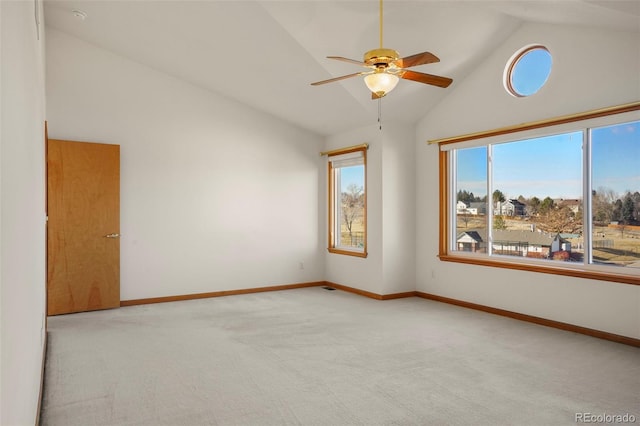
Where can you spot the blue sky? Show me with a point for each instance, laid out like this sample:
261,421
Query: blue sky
618,169
531,72
552,166
352,174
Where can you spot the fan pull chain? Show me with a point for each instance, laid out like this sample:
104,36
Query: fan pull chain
380,113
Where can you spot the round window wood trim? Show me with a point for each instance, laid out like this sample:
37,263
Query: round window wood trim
513,63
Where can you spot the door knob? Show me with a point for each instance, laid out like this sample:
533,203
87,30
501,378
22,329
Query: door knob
112,236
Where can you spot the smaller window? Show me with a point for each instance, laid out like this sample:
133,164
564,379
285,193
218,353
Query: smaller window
527,71
348,202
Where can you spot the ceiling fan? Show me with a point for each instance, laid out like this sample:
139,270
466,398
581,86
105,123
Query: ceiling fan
387,67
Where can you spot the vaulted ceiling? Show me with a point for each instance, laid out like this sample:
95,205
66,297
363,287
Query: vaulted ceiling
266,53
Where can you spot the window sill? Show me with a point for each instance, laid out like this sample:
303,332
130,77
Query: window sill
347,252
593,273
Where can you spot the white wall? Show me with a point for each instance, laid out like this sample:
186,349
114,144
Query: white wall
390,265
214,195
591,69
22,212
398,208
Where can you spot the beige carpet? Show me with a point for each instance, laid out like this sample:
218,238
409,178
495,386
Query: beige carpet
318,357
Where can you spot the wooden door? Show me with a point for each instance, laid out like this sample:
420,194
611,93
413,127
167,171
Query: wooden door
83,245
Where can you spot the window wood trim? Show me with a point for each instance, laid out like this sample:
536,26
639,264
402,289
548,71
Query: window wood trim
532,125
484,260
347,252
330,201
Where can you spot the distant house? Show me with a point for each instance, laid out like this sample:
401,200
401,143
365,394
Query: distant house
479,206
513,243
573,204
510,207
471,241
462,208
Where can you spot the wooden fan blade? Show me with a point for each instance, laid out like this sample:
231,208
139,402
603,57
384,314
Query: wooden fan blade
417,59
331,80
434,80
351,61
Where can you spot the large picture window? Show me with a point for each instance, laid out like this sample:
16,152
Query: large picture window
560,199
348,201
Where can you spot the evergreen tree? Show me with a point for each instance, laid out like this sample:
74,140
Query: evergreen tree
628,207
498,196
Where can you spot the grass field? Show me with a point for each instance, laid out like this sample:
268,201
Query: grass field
355,238
625,248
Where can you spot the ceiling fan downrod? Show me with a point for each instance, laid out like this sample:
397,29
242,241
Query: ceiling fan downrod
381,57
381,24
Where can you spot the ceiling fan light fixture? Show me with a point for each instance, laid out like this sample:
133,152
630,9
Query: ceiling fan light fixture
381,83
387,68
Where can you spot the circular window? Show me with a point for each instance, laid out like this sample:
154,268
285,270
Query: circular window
527,70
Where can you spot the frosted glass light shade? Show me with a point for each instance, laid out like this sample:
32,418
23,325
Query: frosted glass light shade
381,83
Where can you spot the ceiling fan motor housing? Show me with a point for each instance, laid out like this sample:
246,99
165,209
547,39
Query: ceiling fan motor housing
380,57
